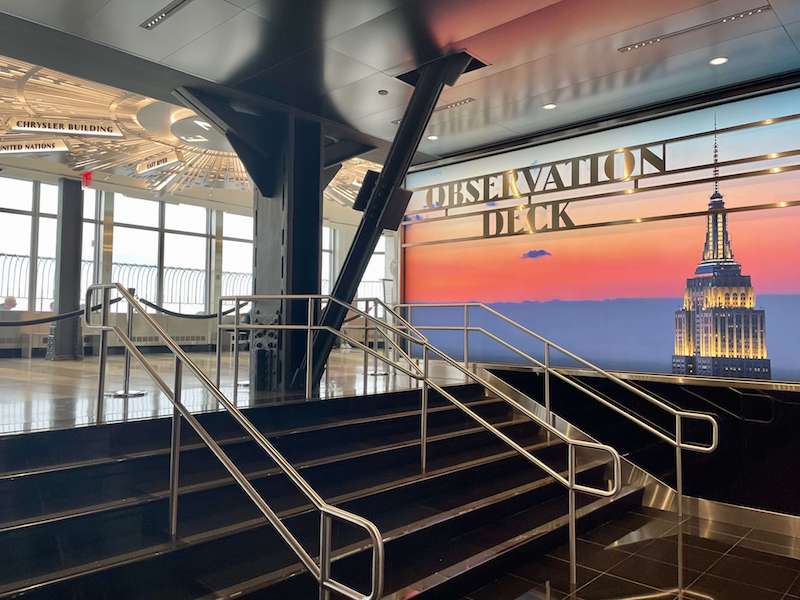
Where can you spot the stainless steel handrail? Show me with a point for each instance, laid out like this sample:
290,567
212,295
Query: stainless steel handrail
679,415
412,335
320,572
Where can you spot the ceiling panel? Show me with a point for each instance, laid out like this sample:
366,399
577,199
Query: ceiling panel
787,10
361,98
239,48
68,15
117,25
297,81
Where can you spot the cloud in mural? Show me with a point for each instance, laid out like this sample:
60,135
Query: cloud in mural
535,254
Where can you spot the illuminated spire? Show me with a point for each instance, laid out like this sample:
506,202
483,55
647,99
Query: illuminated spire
716,158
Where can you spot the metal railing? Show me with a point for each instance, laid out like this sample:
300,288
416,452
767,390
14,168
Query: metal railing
678,415
406,332
322,571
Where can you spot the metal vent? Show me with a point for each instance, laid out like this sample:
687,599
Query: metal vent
162,15
750,12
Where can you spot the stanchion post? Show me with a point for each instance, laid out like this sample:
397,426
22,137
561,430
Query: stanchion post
218,371
573,527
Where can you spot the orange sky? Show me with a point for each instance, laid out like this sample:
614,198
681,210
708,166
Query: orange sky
630,261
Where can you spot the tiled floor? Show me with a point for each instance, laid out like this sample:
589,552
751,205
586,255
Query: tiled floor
636,557
37,394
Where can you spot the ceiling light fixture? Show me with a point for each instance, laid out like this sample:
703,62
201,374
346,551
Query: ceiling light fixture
383,92
550,106
433,138
719,60
750,12
448,106
162,15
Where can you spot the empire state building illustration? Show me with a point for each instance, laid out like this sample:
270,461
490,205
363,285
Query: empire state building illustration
719,332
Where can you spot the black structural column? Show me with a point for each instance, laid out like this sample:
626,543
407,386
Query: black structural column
67,339
282,153
385,196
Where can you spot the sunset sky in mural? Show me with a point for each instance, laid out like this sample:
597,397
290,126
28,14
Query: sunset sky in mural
629,261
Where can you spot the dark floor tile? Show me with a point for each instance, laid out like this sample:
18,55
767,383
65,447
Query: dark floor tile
655,513
774,538
553,570
653,573
763,575
727,589
629,535
708,540
511,587
764,552
794,590
694,558
708,525
608,587
591,555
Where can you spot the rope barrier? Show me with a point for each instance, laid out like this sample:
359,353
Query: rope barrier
172,313
62,317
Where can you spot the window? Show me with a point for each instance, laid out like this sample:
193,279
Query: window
185,272
46,265
135,261
185,217
135,211
328,236
237,255
371,285
16,194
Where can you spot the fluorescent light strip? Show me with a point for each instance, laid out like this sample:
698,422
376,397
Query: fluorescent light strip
450,106
162,15
750,12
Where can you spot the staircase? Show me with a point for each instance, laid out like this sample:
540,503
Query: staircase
93,512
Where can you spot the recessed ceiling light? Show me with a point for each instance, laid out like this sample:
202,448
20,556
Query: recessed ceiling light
719,60
383,92
433,138
549,106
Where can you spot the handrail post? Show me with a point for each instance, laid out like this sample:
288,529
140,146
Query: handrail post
466,336
573,549
547,382
175,451
366,344
101,378
679,463
236,350
218,371
324,555
423,425
126,392
309,348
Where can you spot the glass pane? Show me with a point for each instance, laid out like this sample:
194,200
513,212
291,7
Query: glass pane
48,199
15,193
185,217
46,265
135,260
237,268
185,273
327,238
135,211
15,245
237,226
89,203
381,245
327,265
87,257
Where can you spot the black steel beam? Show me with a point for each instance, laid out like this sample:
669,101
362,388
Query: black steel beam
433,77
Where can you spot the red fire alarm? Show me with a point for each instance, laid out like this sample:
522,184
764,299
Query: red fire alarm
86,179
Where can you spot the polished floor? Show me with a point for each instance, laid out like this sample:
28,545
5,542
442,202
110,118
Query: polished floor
636,557
36,394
